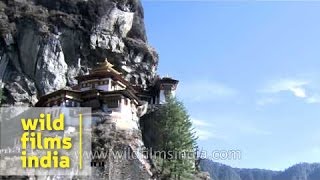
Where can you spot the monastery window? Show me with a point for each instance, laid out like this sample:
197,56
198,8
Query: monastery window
126,102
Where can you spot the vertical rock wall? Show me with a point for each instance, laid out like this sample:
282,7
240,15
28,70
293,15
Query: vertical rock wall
44,44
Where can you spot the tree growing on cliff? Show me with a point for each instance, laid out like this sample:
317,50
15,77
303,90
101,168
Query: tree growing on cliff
174,149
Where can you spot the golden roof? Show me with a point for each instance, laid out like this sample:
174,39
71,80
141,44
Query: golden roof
105,67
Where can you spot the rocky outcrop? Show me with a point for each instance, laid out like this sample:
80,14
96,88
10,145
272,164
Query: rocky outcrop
126,158
44,44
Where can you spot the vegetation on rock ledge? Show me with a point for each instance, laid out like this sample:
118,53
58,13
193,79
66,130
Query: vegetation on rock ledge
168,133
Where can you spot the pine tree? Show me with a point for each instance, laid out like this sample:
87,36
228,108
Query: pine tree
175,138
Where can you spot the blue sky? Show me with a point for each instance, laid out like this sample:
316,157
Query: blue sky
249,75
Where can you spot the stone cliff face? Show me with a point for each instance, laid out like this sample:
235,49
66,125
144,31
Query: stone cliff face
44,44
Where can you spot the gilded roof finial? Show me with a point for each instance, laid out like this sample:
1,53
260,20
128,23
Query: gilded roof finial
106,66
106,63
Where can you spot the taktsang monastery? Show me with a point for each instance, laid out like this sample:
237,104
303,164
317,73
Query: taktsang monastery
106,91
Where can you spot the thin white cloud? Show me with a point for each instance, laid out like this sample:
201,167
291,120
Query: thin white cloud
205,91
202,129
204,134
299,88
296,87
198,122
313,99
227,129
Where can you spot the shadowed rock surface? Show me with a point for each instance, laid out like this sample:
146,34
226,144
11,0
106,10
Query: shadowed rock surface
44,44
